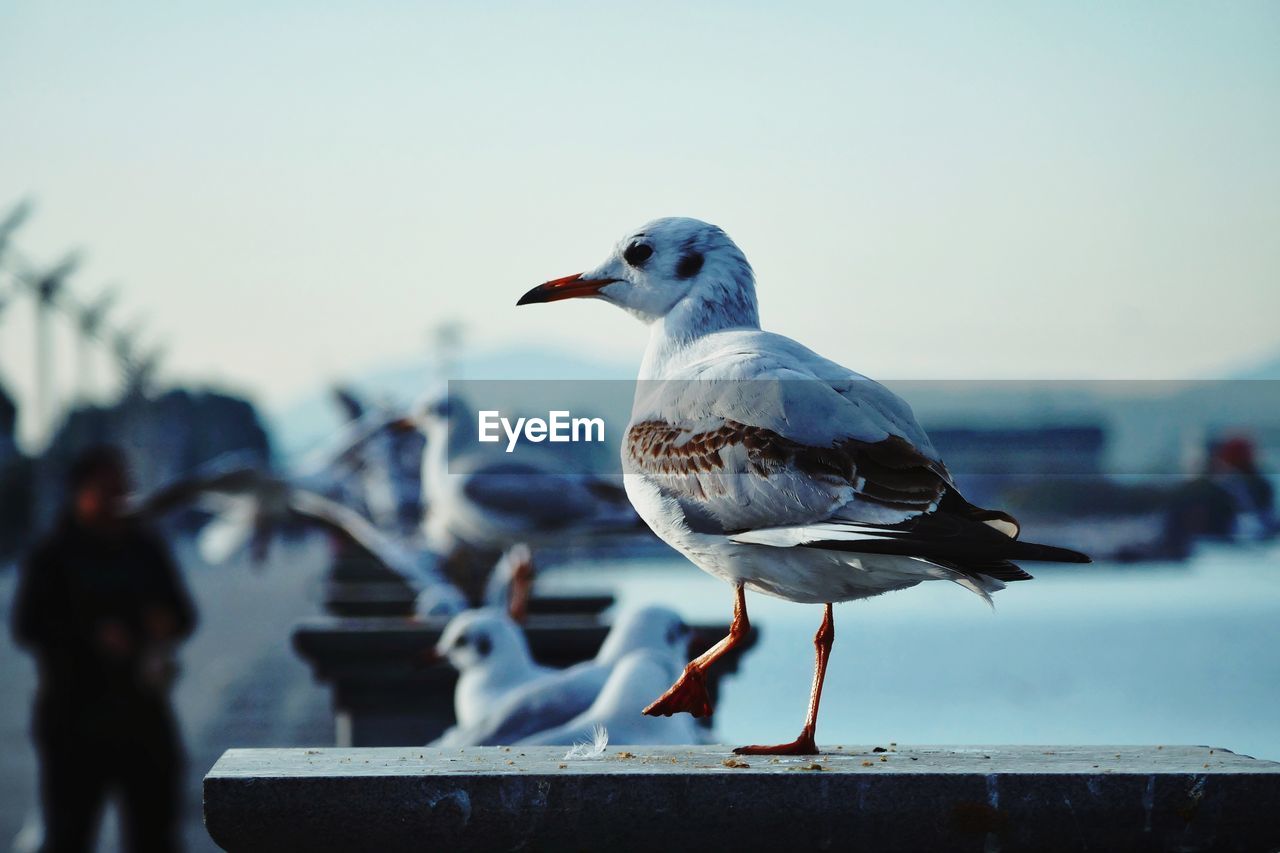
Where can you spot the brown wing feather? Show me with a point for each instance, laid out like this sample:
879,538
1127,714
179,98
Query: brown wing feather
890,472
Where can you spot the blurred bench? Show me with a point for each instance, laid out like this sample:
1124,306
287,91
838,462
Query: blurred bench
1006,798
396,598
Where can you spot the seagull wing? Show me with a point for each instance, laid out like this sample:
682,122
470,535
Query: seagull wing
347,450
639,676
538,705
230,530
412,564
759,434
193,489
530,502
764,441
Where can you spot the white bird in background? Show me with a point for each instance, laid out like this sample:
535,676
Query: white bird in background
492,658
478,506
249,504
254,505
561,695
771,467
389,469
362,466
637,676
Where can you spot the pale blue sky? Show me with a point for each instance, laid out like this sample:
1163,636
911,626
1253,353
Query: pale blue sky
293,191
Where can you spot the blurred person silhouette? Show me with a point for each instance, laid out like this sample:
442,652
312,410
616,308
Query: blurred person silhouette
1236,471
102,606
1230,500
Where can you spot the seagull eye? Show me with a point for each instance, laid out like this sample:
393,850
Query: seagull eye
484,645
637,253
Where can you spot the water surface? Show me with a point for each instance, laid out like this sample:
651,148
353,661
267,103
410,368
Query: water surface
1159,653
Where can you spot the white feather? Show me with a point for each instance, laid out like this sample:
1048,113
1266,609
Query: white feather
587,750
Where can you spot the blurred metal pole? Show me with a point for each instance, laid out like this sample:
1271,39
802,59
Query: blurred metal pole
47,289
89,325
445,340
124,348
84,367
16,216
44,360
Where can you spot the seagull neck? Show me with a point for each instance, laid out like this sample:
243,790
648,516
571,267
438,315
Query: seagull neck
436,458
690,320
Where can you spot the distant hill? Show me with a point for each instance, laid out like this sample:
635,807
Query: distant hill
1269,369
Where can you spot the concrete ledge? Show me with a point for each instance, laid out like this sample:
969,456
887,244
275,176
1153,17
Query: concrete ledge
652,798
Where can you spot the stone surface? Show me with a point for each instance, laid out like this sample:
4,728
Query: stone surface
898,798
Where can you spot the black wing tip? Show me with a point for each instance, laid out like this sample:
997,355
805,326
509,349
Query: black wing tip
1054,554
1009,549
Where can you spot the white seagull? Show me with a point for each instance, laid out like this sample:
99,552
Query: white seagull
248,504
254,505
492,658
490,502
478,505
636,677
557,697
772,467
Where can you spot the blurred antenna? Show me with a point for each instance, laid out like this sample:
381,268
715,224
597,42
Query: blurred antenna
92,315
48,288
89,323
445,339
348,401
125,342
142,370
12,221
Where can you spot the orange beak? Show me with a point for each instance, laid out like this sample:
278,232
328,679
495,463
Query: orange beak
569,287
427,658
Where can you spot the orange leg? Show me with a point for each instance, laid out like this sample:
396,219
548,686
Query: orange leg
521,590
804,745
689,693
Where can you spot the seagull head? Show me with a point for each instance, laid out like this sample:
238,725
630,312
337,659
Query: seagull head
673,268
656,628
437,407
480,638
434,415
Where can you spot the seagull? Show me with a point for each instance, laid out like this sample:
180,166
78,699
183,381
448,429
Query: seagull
560,695
771,467
492,657
248,504
478,506
636,676
389,463
254,505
